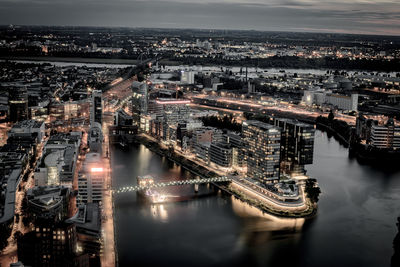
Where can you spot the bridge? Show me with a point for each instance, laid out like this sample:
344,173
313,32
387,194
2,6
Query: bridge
172,183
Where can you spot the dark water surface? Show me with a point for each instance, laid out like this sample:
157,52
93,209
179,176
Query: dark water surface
355,225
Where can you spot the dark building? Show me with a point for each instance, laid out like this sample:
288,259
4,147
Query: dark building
18,104
139,101
48,203
51,245
297,145
52,241
97,107
88,228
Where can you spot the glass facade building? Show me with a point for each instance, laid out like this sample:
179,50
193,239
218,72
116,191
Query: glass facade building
262,143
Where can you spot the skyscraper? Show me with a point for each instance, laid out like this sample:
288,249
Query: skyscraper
297,145
96,108
139,101
262,150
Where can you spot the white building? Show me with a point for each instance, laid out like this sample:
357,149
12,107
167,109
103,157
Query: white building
385,136
326,98
187,77
91,179
343,102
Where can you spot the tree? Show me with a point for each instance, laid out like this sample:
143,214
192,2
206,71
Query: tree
5,232
331,116
312,190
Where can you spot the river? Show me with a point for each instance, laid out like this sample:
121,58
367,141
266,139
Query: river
355,225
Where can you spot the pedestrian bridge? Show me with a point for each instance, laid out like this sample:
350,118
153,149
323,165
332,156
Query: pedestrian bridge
172,183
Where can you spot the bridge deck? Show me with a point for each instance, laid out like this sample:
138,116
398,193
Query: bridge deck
173,183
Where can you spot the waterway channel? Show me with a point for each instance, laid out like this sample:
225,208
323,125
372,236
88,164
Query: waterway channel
355,225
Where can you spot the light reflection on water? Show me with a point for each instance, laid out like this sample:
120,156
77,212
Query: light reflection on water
357,214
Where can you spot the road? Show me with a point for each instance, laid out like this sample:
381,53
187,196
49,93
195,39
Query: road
9,254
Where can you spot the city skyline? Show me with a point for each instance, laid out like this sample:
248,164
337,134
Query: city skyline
335,16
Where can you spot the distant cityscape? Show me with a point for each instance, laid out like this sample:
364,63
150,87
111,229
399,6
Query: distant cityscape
239,110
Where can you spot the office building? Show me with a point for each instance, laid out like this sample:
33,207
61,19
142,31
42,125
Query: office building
297,145
221,154
140,100
87,220
343,102
51,244
58,162
18,104
122,118
96,109
28,128
262,142
91,179
95,138
385,136
48,203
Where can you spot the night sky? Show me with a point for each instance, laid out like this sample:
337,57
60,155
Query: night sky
353,16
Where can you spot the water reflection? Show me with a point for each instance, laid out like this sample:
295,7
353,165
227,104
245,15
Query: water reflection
395,262
159,212
211,229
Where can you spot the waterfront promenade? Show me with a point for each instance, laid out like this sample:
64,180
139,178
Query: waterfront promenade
264,200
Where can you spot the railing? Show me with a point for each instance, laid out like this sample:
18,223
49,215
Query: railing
172,183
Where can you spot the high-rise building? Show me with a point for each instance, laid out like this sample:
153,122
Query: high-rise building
139,101
297,145
50,244
18,103
96,109
95,138
262,142
91,179
51,241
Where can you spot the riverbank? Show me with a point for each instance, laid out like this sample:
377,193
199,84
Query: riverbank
197,169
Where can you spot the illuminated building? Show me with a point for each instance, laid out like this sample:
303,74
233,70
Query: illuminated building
139,101
262,150
385,136
51,244
187,77
58,163
238,150
18,103
221,154
297,145
91,179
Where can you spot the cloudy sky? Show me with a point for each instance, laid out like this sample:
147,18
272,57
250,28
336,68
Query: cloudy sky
347,16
